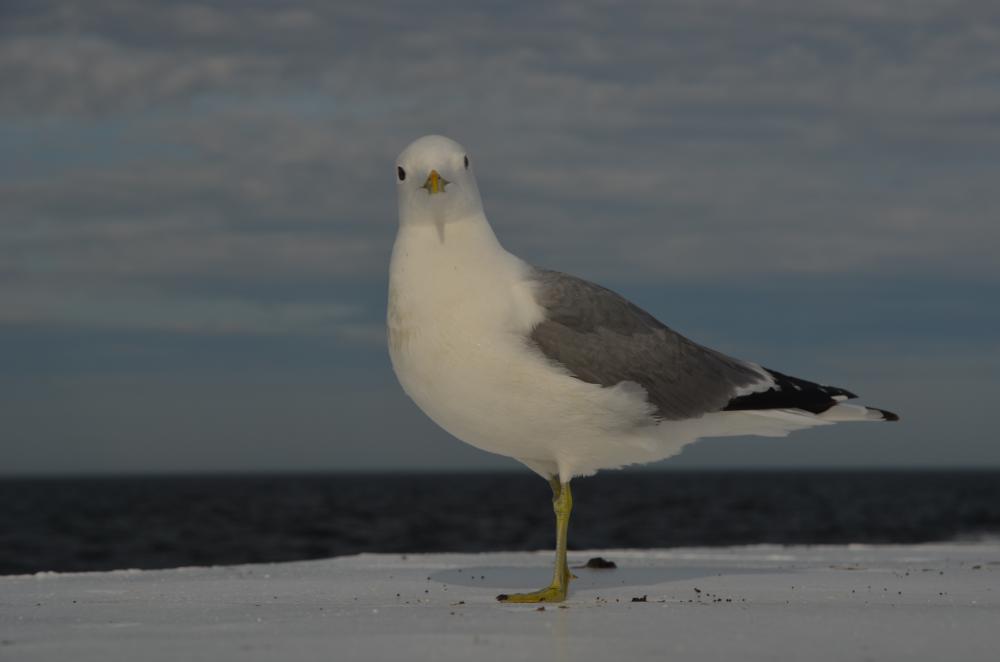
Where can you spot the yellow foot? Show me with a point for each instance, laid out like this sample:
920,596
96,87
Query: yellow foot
550,594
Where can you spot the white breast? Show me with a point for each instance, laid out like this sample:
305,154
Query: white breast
459,315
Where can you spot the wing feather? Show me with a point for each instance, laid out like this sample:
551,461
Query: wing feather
602,338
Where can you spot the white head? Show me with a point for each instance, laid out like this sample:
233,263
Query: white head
435,183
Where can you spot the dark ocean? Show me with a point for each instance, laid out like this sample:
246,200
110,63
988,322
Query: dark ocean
72,524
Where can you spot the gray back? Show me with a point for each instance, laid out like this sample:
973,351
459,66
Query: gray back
602,338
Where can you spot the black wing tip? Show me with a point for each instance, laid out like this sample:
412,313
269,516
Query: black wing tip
791,393
886,415
835,393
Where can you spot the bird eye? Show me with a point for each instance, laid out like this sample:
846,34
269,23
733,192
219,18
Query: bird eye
400,173
466,162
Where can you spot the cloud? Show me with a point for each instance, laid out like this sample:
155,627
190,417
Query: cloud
112,308
92,76
682,141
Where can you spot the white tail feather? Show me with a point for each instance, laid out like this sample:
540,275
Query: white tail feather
845,412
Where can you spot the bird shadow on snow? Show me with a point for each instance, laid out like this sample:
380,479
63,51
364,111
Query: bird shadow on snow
530,578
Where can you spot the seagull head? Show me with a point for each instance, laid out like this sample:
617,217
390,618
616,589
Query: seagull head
435,184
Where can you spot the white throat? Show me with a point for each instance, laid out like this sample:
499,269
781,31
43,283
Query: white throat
466,280
435,260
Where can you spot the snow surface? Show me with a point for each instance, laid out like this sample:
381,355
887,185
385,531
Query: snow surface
925,602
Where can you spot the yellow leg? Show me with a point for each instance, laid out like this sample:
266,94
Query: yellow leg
562,504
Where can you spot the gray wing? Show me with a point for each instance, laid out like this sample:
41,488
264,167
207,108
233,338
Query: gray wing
602,338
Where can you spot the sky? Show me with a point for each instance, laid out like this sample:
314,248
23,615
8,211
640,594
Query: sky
197,206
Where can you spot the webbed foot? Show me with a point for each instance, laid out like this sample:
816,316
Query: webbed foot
553,593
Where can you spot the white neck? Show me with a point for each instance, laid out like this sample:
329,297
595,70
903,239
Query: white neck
463,246
469,273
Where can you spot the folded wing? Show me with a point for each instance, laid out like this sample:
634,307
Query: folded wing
602,338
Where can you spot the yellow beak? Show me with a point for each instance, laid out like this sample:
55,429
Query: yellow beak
435,183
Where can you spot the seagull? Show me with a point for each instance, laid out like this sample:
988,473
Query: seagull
559,373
